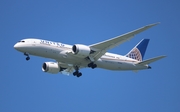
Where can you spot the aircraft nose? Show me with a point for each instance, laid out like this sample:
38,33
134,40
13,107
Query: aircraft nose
16,46
21,47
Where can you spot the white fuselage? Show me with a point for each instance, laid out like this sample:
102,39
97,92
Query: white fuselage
58,51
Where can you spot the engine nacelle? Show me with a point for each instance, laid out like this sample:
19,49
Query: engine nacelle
50,67
81,50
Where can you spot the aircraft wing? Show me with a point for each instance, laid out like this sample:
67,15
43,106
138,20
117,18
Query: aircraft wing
102,47
67,69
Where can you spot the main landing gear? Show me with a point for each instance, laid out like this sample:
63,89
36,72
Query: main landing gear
92,65
26,54
77,73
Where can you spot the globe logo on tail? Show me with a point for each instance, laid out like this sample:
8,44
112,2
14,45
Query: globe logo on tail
135,54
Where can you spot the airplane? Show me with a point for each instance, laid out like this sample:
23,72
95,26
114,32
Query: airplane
69,59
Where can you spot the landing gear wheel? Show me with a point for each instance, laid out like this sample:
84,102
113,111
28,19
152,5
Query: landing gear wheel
77,73
26,54
27,58
92,65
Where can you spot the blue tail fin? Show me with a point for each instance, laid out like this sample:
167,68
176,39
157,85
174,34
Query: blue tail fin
139,50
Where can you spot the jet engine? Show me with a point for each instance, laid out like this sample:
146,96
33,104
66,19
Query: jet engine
81,50
50,67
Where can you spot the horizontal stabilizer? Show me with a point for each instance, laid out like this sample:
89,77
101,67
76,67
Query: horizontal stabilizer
145,62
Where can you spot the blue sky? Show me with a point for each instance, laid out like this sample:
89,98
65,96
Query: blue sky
25,88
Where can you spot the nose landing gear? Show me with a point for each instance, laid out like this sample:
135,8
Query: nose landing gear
26,54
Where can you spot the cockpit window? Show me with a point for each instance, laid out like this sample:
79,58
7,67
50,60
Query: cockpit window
21,41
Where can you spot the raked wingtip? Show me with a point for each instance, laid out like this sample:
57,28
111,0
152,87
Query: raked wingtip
154,24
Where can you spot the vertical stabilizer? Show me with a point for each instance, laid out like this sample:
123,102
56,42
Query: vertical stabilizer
139,50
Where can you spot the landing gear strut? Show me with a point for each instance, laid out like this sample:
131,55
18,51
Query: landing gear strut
77,73
92,65
26,54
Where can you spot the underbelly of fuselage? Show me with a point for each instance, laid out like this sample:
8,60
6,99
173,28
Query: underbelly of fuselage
62,57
